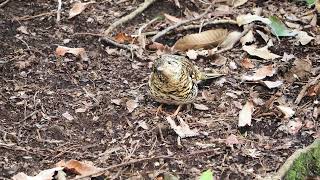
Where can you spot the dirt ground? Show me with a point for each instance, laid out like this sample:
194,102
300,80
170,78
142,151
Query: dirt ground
60,108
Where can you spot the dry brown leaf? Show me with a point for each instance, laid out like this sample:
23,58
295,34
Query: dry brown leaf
303,37
245,114
131,105
272,84
22,64
231,140
172,18
248,18
301,70
43,175
230,40
313,90
82,168
201,40
263,52
200,107
80,52
261,73
287,111
183,130
247,63
77,8
219,60
123,38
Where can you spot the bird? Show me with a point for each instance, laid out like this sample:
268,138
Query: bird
174,80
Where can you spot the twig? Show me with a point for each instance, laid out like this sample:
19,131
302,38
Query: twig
124,164
130,16
163,32
59,10
24,18
4,3
114,43
305,88
145,25
28,116
244,32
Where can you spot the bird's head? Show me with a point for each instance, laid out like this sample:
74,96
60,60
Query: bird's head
168,67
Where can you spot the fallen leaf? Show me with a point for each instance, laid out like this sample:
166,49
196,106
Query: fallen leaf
82,168
303,37
77,8
116,101
263,52
287,111
123,38
246,63
248,38
201,40
261,73
231,140
23,29
230,40
192,54
80,110
313,90
143,125
245,114
287,57
272,84
23,64
131,105
200,107
172,18
183,130
294,126
263,35
219,60
279,28
80,52
248,18
43,175
68,116
237,3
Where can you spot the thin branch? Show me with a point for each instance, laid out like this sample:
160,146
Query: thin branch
59,10
114,43
130,16
24,18
163,32
4,3
305,88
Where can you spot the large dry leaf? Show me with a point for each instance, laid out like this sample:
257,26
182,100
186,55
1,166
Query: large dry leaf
263,52
62,50
82,168
183,130
260,73
77,8
245,114
43,175
304,38
248,18
201,40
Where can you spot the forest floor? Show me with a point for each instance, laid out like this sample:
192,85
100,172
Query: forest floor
61,108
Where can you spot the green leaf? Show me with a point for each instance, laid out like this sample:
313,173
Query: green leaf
279,28
207,175
310,2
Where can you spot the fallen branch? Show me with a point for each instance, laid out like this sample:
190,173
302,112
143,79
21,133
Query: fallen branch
114,43
4,3
130,16
24,18
163,32
305,88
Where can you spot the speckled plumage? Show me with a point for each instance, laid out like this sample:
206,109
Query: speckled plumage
174,80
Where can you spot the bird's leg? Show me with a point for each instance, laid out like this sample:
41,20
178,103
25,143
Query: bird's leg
177,111
159,109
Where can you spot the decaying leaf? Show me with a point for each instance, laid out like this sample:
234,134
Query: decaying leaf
272,84
304,38
301,70
201,40
313,90
77,8
245,114
263,52
231,140
279,28
200,107
248,38
183,130
80,52
43,175
261,73
246,63
131,105
82,168
248,18
287,111
123,38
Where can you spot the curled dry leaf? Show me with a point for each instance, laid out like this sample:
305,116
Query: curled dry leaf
272,84
287,111
263,52
82,168
248,18
200,107
201,40
261,73
183,130
247,63
131,105
80,52
77,8
43,175
245,114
